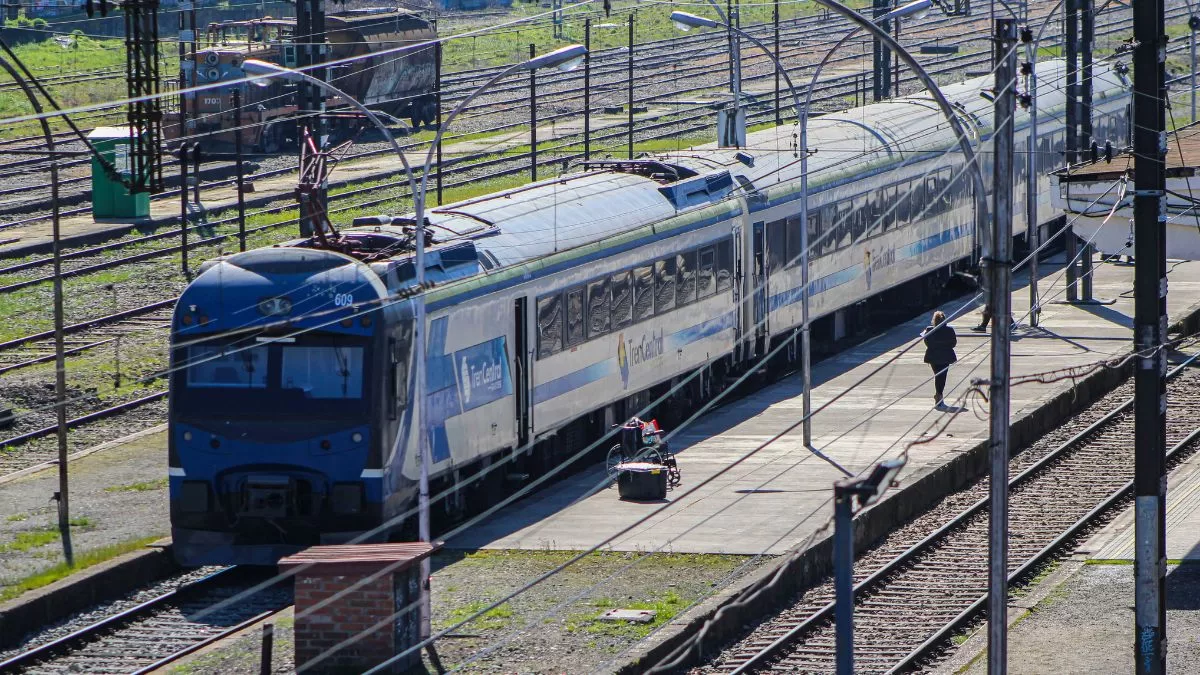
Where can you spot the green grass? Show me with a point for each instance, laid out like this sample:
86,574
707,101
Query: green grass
17,517
652,22
140,486
666,606
48,59
83,560
493,619
40,536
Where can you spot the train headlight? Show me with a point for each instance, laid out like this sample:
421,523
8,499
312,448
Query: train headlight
193,496
347,498
356,437
187,435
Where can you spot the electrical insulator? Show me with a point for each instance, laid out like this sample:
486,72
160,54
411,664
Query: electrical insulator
1026,68
1026,35
1025,100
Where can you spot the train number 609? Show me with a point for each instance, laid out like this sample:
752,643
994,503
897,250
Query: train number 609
343,300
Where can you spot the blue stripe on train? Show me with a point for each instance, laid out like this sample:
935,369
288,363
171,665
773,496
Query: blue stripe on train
848,274
602,369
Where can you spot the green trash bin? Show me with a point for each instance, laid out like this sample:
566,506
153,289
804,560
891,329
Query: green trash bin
110,198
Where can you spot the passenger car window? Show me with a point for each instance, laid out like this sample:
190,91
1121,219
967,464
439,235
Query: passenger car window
550,325
643,293
622,300
664,285
706,282
724,265
685,292
598,308
575,324
776,245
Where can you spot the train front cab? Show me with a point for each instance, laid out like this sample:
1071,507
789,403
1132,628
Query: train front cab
278,418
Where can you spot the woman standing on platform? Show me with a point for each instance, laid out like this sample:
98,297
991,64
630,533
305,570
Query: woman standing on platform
939,352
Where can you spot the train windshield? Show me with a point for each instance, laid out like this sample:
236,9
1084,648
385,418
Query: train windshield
319,378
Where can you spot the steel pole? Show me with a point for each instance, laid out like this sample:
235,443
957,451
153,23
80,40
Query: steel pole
843,563
241,174
630,83
775,20
60,367
1087,43
1150,320
1033,233
533,142
1000,267
183,208
587,89
438,102
1071,145
1192,47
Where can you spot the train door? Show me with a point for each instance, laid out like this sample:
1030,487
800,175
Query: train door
758,283
521,369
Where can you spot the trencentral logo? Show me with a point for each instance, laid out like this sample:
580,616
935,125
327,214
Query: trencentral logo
622,360
636,352
486,376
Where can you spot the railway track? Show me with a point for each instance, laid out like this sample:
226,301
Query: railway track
658,64
39,348
928,582
832,90
160,630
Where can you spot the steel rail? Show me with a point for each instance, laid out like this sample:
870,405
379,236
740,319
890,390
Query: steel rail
760,658
83,419
1027,568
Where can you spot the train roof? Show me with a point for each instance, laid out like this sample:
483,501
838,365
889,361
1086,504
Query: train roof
612,197
911,128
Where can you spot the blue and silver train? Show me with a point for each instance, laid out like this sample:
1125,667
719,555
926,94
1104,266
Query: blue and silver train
555,310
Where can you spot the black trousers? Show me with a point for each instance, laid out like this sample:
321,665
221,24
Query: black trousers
940,371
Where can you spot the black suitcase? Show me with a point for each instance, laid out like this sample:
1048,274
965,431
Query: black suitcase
642,481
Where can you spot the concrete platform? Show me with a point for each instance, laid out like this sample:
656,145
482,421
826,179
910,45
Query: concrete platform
83,230
773,501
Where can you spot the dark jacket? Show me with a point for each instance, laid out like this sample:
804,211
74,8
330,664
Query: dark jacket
939,344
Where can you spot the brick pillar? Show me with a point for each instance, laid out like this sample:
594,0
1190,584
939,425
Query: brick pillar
363,598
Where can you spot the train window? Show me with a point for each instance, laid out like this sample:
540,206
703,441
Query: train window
598,308
845,223
239,369
685,289
794,249
724,265
706,282
323,372
864,217
776,245
575,317
892,202
933,194
829,221
947,182
550,325
664,285
622,300
814,231
643,293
